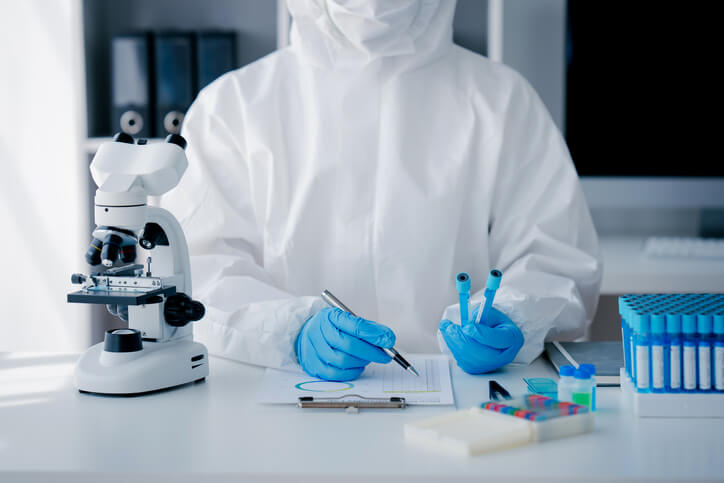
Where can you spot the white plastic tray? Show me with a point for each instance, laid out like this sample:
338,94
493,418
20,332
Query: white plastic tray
671,405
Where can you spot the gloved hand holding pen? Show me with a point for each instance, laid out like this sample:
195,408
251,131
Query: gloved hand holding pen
337,346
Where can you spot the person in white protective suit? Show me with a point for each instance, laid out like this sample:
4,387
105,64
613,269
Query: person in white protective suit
376,159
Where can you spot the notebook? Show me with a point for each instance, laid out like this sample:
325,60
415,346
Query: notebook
607,356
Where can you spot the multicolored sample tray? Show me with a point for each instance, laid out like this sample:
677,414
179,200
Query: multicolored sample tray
498,425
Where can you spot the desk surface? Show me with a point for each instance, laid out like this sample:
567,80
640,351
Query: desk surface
215,431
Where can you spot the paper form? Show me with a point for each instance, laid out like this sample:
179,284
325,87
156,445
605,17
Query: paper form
432,387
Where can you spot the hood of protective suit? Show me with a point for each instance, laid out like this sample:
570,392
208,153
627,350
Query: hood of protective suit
347,34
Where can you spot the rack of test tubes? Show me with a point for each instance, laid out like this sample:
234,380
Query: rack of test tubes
673,347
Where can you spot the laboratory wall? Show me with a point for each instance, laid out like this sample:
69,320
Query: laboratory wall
43,182
533,43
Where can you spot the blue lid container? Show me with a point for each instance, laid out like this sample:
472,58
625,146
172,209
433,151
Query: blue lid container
688,323
641,323
493,281
658,324
462,282
704,323
590,368
718,323
567,370
673,323
581,374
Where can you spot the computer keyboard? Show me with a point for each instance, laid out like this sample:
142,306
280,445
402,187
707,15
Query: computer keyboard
684,247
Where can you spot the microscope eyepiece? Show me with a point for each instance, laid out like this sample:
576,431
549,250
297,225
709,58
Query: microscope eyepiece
176,139
122,137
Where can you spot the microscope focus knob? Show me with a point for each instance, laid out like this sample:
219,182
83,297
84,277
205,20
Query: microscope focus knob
78,278
180,310
122,340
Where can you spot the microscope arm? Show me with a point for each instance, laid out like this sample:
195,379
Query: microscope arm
177,264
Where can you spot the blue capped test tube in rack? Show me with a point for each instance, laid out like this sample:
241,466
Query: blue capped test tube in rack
672,356
673,342
718,323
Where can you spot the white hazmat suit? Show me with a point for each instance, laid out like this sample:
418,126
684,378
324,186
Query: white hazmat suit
376,159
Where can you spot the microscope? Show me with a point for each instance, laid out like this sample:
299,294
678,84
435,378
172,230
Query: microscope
145,268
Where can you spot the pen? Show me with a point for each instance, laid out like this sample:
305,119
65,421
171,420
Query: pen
335,302
491,286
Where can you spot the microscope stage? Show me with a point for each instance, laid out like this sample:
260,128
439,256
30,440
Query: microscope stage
117,297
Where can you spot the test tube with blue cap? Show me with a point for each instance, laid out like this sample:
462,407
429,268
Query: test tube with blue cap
688,329
658,329
491,286
625,331
704,326
462,283
672,361
641,339
719,349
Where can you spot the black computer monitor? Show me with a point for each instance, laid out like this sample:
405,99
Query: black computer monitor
643,101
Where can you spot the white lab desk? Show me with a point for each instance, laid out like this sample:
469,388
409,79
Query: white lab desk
215,431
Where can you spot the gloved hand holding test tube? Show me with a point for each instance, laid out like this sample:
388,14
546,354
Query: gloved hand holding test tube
491,341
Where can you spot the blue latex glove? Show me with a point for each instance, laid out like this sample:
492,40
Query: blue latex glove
483,347
336,346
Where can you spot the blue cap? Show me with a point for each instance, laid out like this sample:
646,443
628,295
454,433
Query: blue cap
704,323
688,324
658,323
581,374
641,323
589,368
462,282
493,281
567,370
673,323
719,324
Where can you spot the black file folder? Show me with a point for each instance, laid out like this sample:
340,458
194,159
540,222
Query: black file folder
131,80
173,58
215,55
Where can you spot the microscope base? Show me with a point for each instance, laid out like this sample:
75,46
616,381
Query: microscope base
159,365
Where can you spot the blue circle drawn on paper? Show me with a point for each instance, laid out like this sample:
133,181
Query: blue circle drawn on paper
304,386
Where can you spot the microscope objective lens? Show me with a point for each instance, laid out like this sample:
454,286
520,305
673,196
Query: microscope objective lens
93,255
110,250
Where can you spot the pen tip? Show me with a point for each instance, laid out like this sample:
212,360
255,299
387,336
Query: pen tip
412,370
